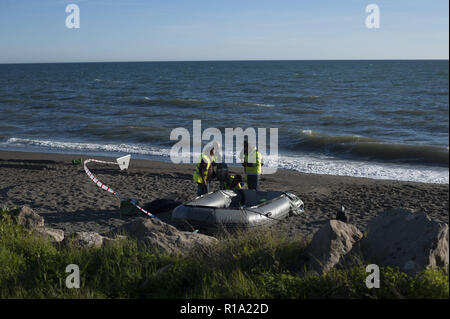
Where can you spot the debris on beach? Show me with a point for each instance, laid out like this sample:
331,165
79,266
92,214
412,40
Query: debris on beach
341,215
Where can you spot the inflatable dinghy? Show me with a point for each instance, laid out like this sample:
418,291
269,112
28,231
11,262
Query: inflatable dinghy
244,209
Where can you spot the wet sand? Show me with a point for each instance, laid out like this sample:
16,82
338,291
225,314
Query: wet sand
63,194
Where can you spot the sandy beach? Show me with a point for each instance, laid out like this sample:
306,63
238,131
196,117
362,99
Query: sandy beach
63,194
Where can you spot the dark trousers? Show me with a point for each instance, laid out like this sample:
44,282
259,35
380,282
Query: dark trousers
253,182
202,189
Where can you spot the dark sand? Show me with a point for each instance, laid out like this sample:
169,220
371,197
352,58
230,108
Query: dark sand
63,194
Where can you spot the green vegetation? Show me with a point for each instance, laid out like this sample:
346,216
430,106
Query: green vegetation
245,265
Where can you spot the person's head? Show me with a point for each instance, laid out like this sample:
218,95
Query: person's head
212,149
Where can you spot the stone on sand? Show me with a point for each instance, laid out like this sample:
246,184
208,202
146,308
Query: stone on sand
164,237
28,218
85,239
407,240
49,233
330,243
34,223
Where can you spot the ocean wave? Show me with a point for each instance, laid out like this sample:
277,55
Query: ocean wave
255,104
325,166
341,121
177,102
301,110
294,99
371,149
135,133
139,128
310,137
306,163
401,112
87,147
7,127
9,100
429,92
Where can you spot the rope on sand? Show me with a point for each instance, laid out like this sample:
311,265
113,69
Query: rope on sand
109,189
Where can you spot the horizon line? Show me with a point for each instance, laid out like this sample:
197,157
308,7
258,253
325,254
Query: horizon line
225,60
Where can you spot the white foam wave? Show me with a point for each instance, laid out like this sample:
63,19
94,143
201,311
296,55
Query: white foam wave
87,147
258,104
332,166
305,164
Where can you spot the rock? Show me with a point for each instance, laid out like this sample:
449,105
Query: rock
330,243
85,239
34,223
28,218
49,233
407,240
164,237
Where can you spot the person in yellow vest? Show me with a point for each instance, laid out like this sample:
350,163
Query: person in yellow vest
204,172
233,182
252,166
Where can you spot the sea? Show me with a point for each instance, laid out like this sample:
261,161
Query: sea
377,119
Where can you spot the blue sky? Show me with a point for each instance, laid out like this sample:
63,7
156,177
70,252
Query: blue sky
151,30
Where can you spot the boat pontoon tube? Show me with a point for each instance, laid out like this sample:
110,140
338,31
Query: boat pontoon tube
237,209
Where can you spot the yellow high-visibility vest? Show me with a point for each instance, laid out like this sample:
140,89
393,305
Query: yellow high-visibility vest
256,160
227,184
197,176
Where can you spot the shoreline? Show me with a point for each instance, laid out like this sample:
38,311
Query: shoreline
140,162
62,193
305,164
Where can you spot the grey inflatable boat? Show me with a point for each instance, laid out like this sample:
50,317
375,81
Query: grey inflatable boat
227,209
